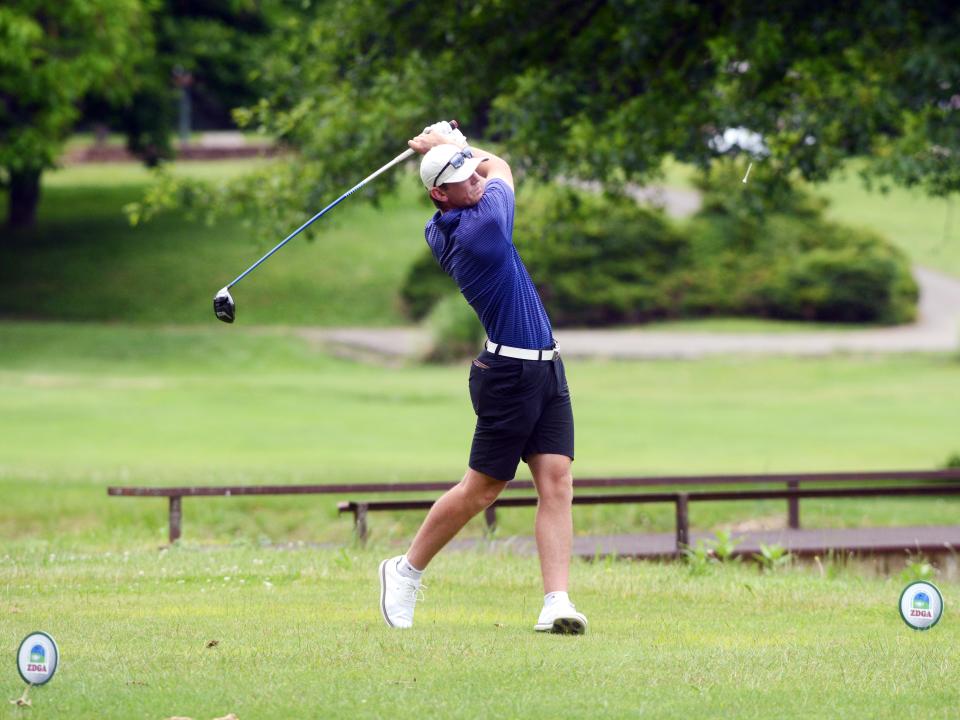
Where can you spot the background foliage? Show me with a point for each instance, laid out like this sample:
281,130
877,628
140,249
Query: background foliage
606,89
49,59
603,259
116,63
212,47
603,90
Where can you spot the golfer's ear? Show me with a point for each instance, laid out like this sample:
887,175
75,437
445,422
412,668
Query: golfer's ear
438,194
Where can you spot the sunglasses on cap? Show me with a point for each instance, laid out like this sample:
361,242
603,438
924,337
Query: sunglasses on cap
456,161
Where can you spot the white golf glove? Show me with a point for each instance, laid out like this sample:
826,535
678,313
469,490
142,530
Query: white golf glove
450,134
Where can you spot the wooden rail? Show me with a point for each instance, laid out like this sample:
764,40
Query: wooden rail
943,480
681,500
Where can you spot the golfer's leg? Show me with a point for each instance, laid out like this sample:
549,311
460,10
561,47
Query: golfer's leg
554,524
450,513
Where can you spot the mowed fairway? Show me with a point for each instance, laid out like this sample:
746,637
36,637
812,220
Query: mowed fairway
86,406
297,634
268,609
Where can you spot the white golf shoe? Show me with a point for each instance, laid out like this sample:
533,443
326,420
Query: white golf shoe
398,594
561,617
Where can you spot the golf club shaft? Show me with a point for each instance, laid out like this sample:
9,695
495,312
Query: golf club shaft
398,159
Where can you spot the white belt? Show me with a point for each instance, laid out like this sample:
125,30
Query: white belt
521,353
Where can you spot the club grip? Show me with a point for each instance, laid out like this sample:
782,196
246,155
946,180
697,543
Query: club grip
454,124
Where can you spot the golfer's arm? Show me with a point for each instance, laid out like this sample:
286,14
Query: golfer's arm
494,167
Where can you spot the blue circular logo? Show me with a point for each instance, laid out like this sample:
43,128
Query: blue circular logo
921,605
37,658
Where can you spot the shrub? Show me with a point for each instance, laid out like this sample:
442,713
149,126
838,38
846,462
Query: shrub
455,330
600,259
595,259
772,253
862,282
777,256
796,267
425,284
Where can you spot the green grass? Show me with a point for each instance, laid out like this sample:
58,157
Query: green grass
85,140
927,229
299,635
85,262
86,406
132,176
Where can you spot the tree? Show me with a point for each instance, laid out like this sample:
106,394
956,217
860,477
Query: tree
606,89
51,54
211,48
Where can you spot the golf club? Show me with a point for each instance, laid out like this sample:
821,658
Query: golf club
223,305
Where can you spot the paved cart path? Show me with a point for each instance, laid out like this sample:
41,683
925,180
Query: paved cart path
937,329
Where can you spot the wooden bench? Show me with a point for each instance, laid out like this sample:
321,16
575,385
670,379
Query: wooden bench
940,482
681,500
176,494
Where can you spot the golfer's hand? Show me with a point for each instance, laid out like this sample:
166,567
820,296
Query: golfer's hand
448,130
440,133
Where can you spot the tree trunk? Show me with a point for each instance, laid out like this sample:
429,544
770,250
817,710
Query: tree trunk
24,198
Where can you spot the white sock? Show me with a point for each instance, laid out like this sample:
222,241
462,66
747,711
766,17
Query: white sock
407,570
559,596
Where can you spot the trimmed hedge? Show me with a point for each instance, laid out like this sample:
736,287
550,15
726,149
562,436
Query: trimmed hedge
603,260
455,330
597,260
795,268
594,259
426,283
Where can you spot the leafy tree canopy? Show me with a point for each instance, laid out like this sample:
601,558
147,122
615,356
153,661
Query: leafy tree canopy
115,61
51,54
606,89
208,46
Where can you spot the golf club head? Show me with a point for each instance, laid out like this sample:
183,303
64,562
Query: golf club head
224,306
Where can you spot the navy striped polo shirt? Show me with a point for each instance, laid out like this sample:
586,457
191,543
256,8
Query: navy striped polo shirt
474,246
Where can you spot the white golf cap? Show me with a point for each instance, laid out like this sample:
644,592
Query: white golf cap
446,164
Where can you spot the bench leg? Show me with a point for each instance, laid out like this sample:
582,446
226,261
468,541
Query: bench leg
176,516
793,506
490,516
360,522
683,523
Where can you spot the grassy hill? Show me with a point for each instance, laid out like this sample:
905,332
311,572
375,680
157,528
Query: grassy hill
927,229
85,262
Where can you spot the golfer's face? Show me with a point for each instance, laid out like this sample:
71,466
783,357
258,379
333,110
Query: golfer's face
466,193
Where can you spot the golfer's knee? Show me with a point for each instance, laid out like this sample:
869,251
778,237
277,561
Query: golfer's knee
486,496
480,490
556,488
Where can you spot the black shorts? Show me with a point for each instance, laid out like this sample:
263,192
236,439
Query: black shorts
523,408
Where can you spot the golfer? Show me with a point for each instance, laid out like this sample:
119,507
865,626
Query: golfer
517,383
